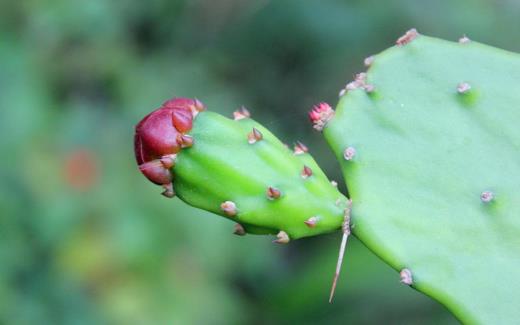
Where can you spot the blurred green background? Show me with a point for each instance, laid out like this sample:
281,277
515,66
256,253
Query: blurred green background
86,239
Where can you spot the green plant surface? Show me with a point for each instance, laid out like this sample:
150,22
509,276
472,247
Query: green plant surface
435,172
224,166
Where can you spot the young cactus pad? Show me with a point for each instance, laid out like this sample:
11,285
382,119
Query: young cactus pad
238,169
429,145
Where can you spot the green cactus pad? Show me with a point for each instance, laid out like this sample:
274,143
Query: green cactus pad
433,170
224,166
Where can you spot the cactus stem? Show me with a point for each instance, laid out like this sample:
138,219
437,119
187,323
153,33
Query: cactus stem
168,190
464,39
407,37
281,238
406,276
254,136
312,221
368,61
463,88
300,148
168,161
229,208
239,230
345,227
241,113
487,196
306,172
342,92
273,193
349,153
184,140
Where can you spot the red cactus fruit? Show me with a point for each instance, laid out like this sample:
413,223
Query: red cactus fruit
158,135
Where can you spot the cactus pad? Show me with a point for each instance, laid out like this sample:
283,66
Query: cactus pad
238,169
429,145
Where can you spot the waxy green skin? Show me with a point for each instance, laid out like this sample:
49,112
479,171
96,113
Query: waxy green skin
424,154
223,166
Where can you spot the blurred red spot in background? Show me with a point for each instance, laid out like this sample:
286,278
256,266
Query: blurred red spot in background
81,170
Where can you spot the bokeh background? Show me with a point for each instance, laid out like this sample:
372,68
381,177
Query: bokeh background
86,239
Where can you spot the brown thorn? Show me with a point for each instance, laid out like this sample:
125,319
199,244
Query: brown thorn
254,136
184,140
168,190
168,161
281,238
239,230
241,113
273,193
312,221
229,208
300,148
306,172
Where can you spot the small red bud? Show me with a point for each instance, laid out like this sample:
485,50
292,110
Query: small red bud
320,115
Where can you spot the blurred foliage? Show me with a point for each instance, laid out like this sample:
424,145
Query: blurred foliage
85,239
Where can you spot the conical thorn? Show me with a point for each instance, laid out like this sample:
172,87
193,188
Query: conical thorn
229,208
407,37
239,230
312,221
273,193
184,140
168,190
282,238
168,161
463,88
306,172
254,136
241,113
487,196
300,148
406,276
349,153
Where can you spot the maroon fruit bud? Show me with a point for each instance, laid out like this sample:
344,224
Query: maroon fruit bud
160,134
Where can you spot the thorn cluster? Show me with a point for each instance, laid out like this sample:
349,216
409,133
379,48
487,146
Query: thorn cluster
320,115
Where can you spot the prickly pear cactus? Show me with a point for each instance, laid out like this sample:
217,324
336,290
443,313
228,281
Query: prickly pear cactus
236,168
429,144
